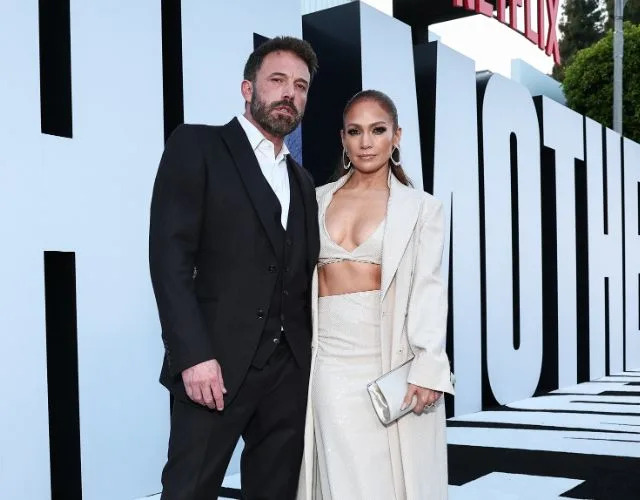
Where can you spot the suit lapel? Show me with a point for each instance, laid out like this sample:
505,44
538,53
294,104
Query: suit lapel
402,214
261,195
311,212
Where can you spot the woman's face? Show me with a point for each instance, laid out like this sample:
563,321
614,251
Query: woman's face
368,136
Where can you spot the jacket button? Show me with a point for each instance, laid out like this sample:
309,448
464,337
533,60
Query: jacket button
289,242
272,268
260,313
276,340
285,292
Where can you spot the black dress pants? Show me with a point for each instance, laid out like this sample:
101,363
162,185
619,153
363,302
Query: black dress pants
268,412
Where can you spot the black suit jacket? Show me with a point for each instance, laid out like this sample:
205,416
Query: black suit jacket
212,248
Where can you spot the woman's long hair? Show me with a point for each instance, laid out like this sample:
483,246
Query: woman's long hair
387,104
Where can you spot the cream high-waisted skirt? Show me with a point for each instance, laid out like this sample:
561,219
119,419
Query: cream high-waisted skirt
354,459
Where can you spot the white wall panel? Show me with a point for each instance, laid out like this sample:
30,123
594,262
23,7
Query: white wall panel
456,184
563,133
393,75
632,252
111,163
605,248
597,245
513,367
24,432
217,38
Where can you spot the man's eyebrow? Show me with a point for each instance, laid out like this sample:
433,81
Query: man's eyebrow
279,73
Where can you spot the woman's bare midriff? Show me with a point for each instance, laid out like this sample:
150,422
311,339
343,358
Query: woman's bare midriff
343,277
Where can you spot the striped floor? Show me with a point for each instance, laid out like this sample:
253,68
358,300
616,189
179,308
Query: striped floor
577,442
580,442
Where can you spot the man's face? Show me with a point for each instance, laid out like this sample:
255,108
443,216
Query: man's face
279,94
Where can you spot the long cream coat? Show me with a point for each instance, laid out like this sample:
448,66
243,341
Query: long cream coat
413,323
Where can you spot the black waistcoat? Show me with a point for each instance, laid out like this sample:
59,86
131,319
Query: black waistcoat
289,307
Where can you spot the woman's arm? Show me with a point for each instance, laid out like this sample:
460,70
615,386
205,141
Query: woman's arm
427,308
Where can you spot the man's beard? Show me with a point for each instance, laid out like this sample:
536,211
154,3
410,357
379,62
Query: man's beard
278,125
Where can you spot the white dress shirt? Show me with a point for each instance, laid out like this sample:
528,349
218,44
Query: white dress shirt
274,168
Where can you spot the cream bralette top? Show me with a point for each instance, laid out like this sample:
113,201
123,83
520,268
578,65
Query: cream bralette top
369,251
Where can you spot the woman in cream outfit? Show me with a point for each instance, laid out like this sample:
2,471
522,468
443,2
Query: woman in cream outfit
378,301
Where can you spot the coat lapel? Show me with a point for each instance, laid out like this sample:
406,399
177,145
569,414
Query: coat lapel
260,193
311,212
328,191
402,214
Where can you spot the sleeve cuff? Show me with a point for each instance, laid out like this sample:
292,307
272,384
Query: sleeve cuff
180,361
431,371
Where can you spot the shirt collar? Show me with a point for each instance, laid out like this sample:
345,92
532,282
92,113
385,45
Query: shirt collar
256,137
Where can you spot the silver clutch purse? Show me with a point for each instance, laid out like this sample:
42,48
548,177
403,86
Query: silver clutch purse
387,393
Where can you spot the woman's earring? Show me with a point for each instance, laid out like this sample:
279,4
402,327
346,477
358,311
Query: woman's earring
395,149
345,165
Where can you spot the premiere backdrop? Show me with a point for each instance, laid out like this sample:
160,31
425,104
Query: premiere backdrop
542,255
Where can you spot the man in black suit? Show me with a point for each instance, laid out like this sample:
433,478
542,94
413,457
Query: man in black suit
233,244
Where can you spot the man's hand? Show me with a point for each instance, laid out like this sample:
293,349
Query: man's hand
424,398
204,385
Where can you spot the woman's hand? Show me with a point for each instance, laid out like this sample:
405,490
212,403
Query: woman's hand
425,398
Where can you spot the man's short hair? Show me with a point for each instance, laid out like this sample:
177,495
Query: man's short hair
300,48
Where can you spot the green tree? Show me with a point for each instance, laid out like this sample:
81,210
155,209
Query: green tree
631,12
581,26
588,82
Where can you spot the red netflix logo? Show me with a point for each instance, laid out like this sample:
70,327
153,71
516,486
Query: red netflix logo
547,41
